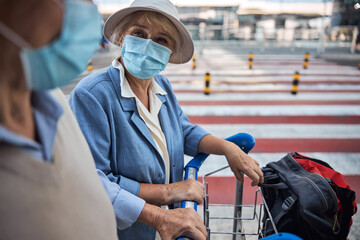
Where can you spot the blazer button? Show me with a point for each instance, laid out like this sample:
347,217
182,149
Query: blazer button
160,174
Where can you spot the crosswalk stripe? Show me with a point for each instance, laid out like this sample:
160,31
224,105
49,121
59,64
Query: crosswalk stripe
268,102
267,86
302,110
284,131
353,81
240,119
269,90
267,96
307,145
338,72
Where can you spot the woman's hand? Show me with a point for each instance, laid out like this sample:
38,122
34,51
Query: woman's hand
182,222
165,194
171,224
189,190
240,162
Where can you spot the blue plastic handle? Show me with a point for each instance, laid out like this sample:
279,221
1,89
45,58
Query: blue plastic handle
245,141
282,236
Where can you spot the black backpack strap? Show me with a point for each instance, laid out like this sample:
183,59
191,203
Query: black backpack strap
280,185
287,204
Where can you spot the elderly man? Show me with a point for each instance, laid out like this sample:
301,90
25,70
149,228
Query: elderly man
49,185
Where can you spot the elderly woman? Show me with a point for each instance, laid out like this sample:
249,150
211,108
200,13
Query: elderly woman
136,130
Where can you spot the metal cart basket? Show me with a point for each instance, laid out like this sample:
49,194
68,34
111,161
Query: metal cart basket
246,219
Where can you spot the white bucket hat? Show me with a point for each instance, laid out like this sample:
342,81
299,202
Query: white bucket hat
185,45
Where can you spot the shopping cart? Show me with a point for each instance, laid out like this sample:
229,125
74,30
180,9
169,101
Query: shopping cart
246,218
254,212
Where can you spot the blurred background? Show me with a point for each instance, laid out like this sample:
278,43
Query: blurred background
320,24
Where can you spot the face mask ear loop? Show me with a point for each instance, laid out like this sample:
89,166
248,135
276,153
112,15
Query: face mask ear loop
13,36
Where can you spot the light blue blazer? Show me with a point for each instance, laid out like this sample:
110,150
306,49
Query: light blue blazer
120,141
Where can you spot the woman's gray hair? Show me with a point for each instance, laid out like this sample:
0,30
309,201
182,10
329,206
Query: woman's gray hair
118,35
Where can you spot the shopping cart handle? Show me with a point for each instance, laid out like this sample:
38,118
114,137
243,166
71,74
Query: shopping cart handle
245,141
282,236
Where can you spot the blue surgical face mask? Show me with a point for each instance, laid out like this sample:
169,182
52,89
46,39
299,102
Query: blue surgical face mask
144,58
60,62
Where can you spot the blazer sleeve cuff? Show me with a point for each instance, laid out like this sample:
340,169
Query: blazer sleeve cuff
129,185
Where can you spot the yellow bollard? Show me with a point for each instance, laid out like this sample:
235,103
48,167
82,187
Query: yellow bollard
295,84
207,84
90,65
306,60
194,62
251,60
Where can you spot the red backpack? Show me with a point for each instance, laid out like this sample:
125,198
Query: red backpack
297,191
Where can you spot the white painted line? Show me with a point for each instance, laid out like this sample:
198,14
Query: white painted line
265,86
250,79
267,96
297,131
334,70
272,110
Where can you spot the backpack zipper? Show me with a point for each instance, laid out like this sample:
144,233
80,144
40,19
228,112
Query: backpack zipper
319,191
323,199
321,178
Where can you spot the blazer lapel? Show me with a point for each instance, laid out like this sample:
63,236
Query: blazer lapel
129,105
143,129
166,127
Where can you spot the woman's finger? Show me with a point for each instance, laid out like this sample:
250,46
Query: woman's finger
260,174
239,176
200,226
198,234
253,176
